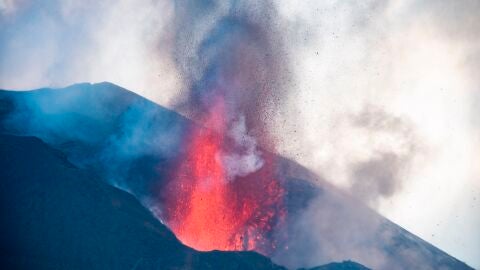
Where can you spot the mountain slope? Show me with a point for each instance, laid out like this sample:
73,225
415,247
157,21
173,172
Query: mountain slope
132,142
56,216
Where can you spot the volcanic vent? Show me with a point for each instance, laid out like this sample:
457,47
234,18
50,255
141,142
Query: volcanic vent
223,192
209,208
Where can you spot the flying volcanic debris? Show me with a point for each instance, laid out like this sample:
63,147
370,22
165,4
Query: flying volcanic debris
224,194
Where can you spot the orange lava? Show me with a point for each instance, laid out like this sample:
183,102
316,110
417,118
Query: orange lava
206,210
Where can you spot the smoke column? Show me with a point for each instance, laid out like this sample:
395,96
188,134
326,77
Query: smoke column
223,194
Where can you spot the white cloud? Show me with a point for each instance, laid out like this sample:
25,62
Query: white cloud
65,42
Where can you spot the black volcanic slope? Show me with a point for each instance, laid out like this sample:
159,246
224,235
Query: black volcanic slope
56,216
129,141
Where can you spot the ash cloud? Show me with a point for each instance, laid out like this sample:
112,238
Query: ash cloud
395,147
377,177
235,50
232,51
415,62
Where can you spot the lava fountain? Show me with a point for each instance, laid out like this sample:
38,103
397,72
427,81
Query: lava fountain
223,192
208,210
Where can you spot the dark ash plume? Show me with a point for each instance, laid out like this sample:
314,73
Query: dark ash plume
235,50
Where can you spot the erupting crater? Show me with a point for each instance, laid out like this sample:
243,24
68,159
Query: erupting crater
207,209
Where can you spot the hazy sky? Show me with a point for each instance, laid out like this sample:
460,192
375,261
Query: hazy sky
385,101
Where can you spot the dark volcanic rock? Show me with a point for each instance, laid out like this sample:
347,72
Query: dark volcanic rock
57,216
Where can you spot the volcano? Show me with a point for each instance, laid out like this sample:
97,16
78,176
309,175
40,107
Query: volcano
172,166
58,216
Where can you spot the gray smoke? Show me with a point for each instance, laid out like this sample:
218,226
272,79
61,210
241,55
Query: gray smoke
233,50
247,159
382,174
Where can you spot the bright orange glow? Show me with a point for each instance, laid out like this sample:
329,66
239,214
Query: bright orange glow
207,211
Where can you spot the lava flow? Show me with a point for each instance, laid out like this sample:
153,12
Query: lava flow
209,211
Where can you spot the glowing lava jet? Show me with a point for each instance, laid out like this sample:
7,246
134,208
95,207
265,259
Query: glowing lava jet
231,56
209,211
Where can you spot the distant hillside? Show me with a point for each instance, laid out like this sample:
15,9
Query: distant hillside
347,265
